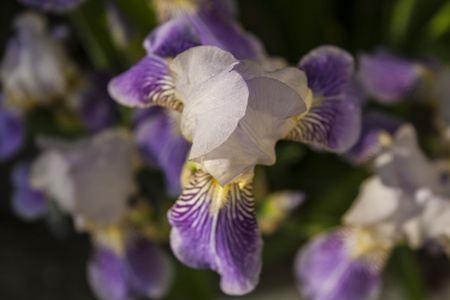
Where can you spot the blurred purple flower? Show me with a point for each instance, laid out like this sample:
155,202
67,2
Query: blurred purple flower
27,202
52,5
12,132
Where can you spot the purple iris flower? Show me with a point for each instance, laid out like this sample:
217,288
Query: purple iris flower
12,132
52,5
372,141
387,77
27,202
334,117
161,143
142,270
330,268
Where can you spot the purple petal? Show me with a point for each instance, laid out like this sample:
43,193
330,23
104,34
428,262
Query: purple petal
328,70
150,269
161,144
228,8
217,30
108,277
12,133
52,5
149,82
334,123
226,240
28,203
387,77
325,271
97,109
369,144
171,38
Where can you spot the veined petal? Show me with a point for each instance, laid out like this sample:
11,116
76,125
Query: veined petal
197,65
387,77
327,269
108,277
149,82
216,227
150,269
27,202
333,123
171,38
377,131
52,5
328,69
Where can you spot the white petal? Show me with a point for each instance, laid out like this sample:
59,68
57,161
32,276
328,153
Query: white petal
376,202
197,65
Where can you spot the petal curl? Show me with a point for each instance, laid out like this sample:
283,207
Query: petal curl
215,227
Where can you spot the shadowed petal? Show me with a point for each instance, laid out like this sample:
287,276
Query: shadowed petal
162,145
12,133
325,270
328,69
149,82
216,227
333,123
27,202
387,77
107,276
171,38
150,269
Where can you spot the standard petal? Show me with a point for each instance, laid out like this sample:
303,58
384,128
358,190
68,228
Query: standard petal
375,125
328,69
212,111
326,271
333,123
108,277
219,233
387,77
149,82
27,202
269,117
150,269
52,5
12,133
171,38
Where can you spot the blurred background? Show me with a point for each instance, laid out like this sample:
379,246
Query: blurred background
47,260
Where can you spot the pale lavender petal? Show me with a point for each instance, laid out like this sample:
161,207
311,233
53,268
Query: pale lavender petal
328,70
217,30
325,271
370,142
225,239
108,276
52,5
171,38
334,124
12,133
162,146
150,269
27,202
149,82
387,77
96,107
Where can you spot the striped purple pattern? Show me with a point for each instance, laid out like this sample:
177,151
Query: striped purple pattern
225,239
149,82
